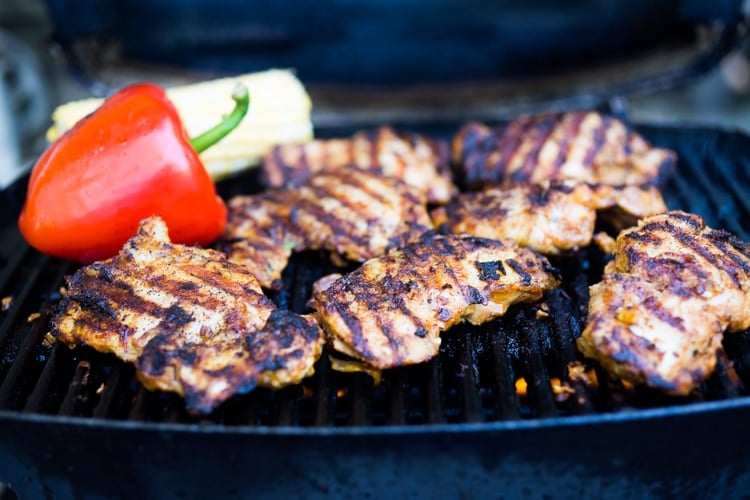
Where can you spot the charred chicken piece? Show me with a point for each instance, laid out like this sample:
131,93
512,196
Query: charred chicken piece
551,219
581,145
658,315
415,159
356,214
390,311
260,234
192,322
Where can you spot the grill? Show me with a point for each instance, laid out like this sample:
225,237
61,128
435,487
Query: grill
77,423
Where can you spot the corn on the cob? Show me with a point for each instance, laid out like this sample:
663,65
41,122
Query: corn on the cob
279,112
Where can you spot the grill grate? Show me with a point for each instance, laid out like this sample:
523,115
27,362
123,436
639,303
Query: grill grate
476,378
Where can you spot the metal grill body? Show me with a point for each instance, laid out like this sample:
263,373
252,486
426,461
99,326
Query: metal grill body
74,422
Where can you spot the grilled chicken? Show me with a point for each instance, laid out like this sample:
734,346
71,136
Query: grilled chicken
192,322
658,315
353,213
580,145
260,234
390,311
415,159
550,219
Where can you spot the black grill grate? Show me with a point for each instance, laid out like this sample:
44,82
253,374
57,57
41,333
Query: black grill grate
473,380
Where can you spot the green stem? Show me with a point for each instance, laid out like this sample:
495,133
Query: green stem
228,122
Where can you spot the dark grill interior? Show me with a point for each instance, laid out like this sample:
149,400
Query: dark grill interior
473,380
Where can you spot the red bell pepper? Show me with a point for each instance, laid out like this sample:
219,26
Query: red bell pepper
128,160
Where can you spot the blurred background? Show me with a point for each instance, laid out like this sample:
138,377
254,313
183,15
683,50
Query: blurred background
363,61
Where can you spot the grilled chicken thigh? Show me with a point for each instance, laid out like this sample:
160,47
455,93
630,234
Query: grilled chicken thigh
550,219
580,145
391,310
192,322
260,234
419,161
658,315
353,213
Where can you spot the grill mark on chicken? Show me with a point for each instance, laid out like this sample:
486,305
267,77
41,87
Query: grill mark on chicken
189,319
415,281
473,133
343,220
489,270
519,269
507,147
537,138
399,290
390,311
674,287
335,222
352,181
354,213
353,323
383,320
727,243
656,308
578,145
692,245
442,248
175,316
571,125
422,162
552,219
358,186
599,138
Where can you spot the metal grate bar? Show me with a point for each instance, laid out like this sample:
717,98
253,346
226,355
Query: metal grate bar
33,339
360,401
76,389
726,174
434,391
287,398
175,410
738,165
723,204
14,377
506,399
21,252
395,390
324,392
726,376
472,406
737,346
38,264
248,413
679,194
567,329
110,389
40,395
138,407
604,399
539,386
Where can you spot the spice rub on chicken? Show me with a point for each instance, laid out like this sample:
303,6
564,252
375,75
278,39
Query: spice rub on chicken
421,162
550,219
192,322
390,311
355,214
581,145
673,288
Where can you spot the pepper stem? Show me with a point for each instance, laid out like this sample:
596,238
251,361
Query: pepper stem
228,123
